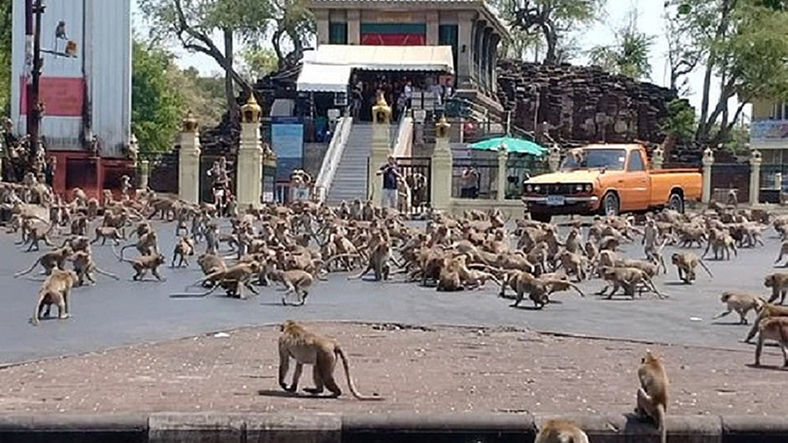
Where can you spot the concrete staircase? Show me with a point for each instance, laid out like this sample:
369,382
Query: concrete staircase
350,179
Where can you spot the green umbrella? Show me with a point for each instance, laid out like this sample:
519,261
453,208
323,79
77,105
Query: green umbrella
516,145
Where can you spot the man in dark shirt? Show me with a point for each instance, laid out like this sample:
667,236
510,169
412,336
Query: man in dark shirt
390,173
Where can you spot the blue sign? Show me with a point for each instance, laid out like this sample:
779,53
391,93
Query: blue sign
287,140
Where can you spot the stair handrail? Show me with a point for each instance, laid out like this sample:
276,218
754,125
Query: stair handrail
404,134
331,159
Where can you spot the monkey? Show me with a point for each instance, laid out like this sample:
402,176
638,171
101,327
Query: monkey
55,290
779,284
38,234
775,328
50,261
538,289
145,263
84,266
378,262
741,303
561,431
309,348
198,226
627,278
233,280
766,311
211,234
296,281
574,264
142,228
108,232
79,225
723,244
92,208
210,263
783,251
146,245
78,243
652,396
183,248
685,264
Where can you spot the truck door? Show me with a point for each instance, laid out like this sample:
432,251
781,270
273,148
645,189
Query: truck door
635,188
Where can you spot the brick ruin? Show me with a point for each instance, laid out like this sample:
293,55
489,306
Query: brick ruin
581,104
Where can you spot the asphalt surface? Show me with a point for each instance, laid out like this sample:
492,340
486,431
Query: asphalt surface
117,313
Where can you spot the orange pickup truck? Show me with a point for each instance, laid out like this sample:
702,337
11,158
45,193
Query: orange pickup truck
609,179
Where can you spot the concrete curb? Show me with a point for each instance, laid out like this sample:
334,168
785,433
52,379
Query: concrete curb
379,428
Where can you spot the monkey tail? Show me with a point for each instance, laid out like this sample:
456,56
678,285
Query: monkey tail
338,351
108,274
705,268
21,273
661,423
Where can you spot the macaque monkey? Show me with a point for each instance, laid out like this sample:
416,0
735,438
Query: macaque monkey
85,266
146,245
775,328
93,207
779,284
783,251
183,248
686,263
39,234
766,311
109,232
77,243
309,348
50,261
627,278
741,303
561,431
146,263
210,263
296,281
79,225
55,291
652,397
378,262
211,234
234,280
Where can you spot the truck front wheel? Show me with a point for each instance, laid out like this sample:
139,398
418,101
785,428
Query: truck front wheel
610,204
676,202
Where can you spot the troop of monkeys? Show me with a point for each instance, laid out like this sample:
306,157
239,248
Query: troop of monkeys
296,244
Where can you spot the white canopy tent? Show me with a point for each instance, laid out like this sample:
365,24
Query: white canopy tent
327,69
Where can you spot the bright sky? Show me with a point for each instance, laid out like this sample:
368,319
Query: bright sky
650,21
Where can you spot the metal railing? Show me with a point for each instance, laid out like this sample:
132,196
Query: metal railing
486,184
404,135
331,160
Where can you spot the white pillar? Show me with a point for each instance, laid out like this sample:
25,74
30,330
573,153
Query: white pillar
381,120
657,158
189,162
503,157
554,158
250,157
441,168
144,174
708,161
755,177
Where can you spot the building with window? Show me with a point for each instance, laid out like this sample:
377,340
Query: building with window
769,135
470,27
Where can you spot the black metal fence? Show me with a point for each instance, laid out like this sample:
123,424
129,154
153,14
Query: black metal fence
206,182
163,172
418,175
481,185
730,176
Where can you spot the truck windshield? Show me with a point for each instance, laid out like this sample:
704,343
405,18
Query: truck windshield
611,159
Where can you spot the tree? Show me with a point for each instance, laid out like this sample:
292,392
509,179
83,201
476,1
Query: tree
550,19
629,55
258,62
156,104
202,96
679,126
5,56
193,22
294,20
744,46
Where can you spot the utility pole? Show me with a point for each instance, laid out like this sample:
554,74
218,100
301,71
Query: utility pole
34,110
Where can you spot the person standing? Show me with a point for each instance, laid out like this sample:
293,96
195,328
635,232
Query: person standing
390,173
470,183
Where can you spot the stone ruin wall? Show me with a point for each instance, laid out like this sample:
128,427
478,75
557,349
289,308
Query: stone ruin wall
580,105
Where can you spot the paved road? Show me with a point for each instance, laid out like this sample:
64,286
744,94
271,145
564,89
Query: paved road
116,313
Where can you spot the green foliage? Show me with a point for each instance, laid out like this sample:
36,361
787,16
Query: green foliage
203,96
551,21
681,123
5,56
629,55
258,62
157,105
